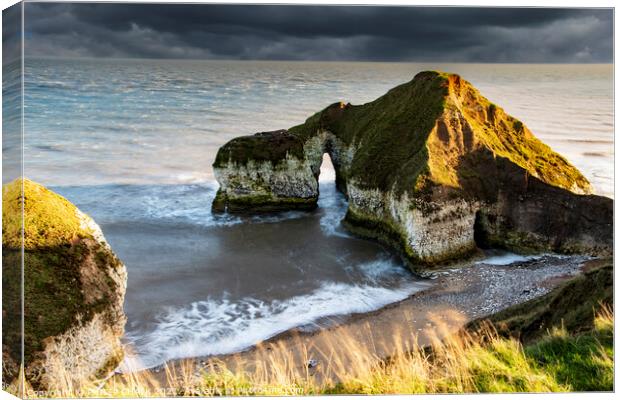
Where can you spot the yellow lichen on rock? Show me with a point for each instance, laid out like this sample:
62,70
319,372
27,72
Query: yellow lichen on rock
63,292
48,218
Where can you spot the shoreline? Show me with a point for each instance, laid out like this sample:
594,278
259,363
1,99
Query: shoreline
460,295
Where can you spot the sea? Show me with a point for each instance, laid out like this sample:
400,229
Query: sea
131,143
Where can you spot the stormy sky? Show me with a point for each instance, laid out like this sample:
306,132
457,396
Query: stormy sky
319,33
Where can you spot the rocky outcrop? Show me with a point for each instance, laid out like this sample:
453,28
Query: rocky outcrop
279,171
73,290
432,168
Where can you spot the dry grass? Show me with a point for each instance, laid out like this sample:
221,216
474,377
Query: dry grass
464,363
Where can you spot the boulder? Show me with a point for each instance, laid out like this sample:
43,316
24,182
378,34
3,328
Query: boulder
73,290
268,171
431,168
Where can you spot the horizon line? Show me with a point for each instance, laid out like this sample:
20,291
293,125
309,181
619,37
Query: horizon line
316,60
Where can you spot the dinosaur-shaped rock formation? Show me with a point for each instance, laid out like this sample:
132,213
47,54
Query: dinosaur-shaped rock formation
432,168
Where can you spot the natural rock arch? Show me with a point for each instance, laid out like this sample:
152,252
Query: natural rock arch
419,166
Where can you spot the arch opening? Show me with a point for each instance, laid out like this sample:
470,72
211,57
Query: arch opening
327,172
481,234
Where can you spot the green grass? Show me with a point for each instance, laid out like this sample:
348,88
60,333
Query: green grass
508,137
265,146
582,362
389,133
557,362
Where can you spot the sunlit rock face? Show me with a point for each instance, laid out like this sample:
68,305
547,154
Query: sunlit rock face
73,290
431,168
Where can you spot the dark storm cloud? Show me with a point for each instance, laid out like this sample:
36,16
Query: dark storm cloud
11,34
320,32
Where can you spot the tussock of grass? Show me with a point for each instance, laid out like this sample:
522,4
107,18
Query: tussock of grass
482,361
584,361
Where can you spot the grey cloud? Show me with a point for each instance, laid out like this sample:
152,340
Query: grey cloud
319,32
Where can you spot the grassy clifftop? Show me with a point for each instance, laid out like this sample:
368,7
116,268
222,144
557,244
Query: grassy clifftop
264,146
389,134
471,125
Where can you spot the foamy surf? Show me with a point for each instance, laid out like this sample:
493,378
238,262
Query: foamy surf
219,326
333,205
508,258
188,204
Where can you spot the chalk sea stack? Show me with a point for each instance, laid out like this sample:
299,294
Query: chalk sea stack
74,287
431,168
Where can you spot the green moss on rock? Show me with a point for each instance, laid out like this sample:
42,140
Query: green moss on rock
264,146
69,276
261,203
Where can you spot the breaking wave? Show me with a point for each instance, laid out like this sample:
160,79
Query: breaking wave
221,326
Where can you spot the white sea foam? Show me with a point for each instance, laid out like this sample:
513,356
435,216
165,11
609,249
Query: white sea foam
192,203
183,203
507,259
333,205
379,269
220,326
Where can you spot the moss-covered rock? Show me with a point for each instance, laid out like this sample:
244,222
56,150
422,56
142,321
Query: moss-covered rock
263,146
266,172
73,289
48,219
427,165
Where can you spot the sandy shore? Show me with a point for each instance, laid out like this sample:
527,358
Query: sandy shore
458,295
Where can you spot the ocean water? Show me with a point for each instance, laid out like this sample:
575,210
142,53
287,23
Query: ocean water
131,143
200,284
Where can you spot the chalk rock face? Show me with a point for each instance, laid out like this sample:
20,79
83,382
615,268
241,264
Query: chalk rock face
433,169
74,288
268,171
